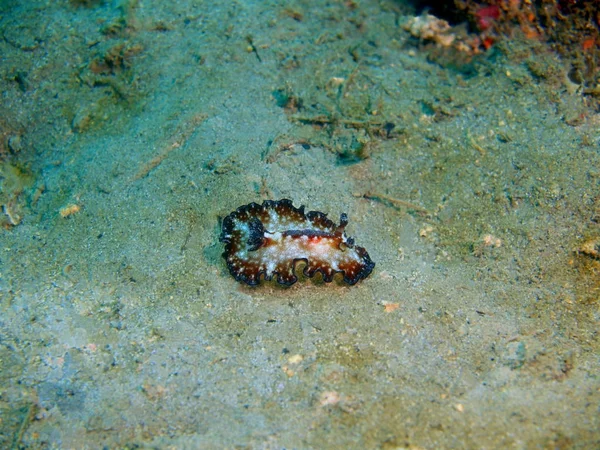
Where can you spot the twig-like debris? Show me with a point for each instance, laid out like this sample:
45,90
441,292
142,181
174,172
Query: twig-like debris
253,47
395,202
477,147
323,120
31,411
182,134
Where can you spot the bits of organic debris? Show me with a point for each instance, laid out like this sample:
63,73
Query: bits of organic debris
12,213
487,241
425,231
491,241
591,248
69,210
329,398
352,146
286,99
115,59
179,138
295,359
430,28
390,307
395,202
82,120
296,15
15,185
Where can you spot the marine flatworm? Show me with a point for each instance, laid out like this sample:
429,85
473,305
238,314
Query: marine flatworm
269,240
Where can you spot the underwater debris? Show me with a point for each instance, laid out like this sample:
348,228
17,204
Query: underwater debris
590,248
430,28
69,210
15,182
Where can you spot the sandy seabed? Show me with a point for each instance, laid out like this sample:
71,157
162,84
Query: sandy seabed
131,128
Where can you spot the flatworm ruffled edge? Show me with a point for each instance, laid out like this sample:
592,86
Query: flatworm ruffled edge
313,216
